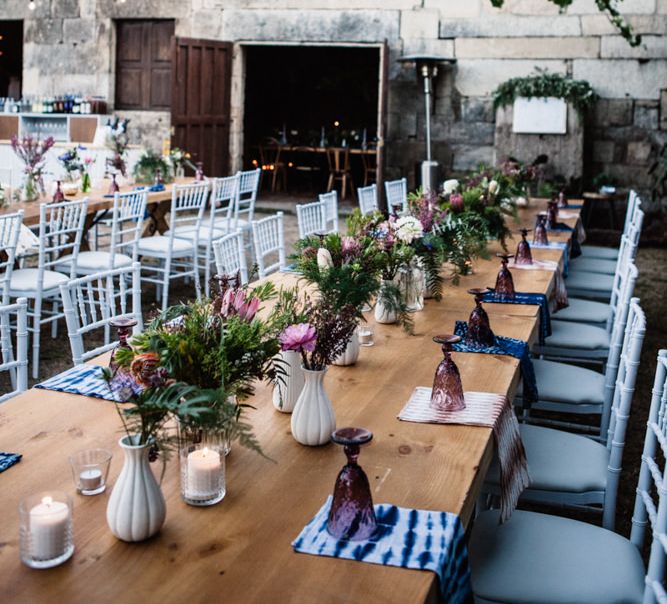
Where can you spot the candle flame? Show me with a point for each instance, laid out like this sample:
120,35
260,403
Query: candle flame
205,451
47,500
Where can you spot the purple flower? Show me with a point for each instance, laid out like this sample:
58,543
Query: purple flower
124,387
301,337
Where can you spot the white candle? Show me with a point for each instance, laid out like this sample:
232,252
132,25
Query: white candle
203,474
89,480
49,525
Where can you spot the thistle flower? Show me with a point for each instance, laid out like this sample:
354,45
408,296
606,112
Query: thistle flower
301,337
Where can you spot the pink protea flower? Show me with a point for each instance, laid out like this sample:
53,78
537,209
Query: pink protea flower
301,337
248,311
350,246
456,201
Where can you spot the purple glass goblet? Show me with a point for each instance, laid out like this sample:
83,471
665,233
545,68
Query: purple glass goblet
540,234
113,187
562,199
352,516
58,196
199,172
552,214
124,326
447,393
523,254
479,328
504,280
396,209
158,178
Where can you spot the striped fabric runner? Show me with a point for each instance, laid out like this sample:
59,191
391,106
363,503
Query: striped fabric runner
80,379
482,409
7,460
550,265
406,538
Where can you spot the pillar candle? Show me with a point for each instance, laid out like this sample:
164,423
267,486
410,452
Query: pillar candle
49,524
203,474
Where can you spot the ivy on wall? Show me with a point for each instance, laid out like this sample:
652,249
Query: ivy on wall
607,7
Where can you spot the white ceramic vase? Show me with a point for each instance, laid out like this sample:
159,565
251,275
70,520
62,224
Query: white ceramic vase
136,508
313,419
287,390
382,313
351,353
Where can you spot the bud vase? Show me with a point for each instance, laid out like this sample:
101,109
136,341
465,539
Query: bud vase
351,354
383,314
287,390
136,508
313,419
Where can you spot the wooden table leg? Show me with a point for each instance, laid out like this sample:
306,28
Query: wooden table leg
157,222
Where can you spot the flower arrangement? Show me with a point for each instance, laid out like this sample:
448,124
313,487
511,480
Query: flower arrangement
180,160
32,152
72,162
117,141
147,167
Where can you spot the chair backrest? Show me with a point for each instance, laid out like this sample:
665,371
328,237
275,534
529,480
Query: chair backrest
248,189
338,159
626,377
89,303
311,218
60,232
224,196
188,203
626,254
368,199
230,255
15,364
129,210
397,193
633,205
10,228
648,513
330,201
268,239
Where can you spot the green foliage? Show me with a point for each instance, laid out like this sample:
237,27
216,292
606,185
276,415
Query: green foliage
147,166
392,299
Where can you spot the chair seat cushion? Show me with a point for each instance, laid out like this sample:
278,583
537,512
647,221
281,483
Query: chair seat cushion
598,251
24,281
560,461
205,234
565,383
595,282
593,265
565,334
88,263
548,559
584,311
159,244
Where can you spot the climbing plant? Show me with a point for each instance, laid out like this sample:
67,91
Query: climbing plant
607,7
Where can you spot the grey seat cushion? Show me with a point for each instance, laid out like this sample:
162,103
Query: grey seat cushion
565,334
560,461
548,559
584,311
565,383
593,265
595,282
598,251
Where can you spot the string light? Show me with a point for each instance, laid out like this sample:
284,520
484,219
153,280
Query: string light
32,5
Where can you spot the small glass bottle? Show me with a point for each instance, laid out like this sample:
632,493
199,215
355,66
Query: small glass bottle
447,393
479,328
523,254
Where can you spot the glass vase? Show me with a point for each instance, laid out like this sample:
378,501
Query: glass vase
30,188
412,281
479,328
202,460
447,393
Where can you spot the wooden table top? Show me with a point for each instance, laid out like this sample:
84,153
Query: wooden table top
239,550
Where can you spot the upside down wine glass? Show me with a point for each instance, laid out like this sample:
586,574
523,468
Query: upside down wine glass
552,214
523,254
504,280
562,199
447,393
352,516
479,328
124,326
540,234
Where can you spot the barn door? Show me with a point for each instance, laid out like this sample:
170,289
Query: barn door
382,121
201,82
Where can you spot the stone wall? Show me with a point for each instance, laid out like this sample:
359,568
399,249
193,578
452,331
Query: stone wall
69,45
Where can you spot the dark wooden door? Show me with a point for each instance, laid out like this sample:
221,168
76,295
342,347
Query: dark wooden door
382,122
201,82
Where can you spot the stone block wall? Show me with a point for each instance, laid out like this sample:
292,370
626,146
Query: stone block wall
69,45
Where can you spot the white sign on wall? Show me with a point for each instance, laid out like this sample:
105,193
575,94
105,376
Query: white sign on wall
545,115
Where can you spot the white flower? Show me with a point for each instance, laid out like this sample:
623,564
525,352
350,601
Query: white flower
493,187
408,228
324,259
449,186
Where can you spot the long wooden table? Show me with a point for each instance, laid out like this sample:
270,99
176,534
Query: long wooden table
239,550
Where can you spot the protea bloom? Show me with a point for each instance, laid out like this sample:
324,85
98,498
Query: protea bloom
301,337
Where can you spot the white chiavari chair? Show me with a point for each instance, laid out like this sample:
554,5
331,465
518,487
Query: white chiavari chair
91,302
541,558
16,365
230,256
247,196
397,193
10,228
269,241
60,232
571,469
368,199
176,257
330,201
310,218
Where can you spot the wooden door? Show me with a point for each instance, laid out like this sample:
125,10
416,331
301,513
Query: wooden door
201,82
382,122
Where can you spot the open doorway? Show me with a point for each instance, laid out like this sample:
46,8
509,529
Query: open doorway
301,100
11,58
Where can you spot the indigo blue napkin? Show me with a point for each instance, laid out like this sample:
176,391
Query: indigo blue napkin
504,345
527,298
407,538
7,460
81,379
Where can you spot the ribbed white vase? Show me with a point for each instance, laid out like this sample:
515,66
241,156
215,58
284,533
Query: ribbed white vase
313,419
382,313
136,508
351,353
287,390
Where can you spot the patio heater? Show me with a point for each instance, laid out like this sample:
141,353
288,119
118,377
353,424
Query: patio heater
427,70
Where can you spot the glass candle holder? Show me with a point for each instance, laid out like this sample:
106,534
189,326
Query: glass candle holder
504,280
447,394
46,529
90,469
479,328
352,516
540,233
202,459
124,327
523,254
365,335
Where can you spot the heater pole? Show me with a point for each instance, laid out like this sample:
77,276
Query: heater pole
427,101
